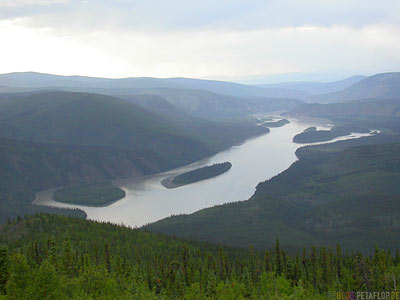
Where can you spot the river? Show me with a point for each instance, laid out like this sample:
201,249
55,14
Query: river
146,201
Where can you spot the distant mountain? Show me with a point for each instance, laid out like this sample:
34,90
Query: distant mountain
316,88
384,85
48,81
209,105
376,108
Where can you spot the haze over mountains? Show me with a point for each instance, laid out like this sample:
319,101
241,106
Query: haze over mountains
316,88
39,80
353,88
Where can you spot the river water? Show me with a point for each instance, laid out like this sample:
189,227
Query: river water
146,201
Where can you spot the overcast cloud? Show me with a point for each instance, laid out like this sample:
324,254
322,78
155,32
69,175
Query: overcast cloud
225,39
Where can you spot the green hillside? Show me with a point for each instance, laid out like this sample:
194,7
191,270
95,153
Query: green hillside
98,120
337,192
50,257
90,119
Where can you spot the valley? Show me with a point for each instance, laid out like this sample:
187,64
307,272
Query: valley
199,150
147,200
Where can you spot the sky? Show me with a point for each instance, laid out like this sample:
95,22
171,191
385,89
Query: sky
247,41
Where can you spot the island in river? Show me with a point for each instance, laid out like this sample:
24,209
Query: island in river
312,135
278,123
97,194
196,175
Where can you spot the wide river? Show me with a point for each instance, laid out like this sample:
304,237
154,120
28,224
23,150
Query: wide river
256,160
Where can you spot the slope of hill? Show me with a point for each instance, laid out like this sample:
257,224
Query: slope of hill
333,194
316,88
90,119
385,108
66,258
208,105
384,85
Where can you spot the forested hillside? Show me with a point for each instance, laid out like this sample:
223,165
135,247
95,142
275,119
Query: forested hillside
346,192
50,257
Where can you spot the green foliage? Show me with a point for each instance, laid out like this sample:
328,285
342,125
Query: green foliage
202,173
20,277
90,194
4,274
56,257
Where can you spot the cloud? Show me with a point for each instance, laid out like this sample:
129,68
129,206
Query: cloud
166,15
206,53
16,3
214,39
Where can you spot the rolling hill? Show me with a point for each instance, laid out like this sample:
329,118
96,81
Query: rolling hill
369,108
35,80
383,85
208,105
99,120
316,88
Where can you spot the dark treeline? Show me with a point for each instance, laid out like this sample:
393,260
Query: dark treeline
202,173
55,257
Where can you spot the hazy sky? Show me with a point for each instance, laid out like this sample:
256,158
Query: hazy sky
238,40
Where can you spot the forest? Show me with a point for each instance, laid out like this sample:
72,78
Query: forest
57,257
202,173
95,194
